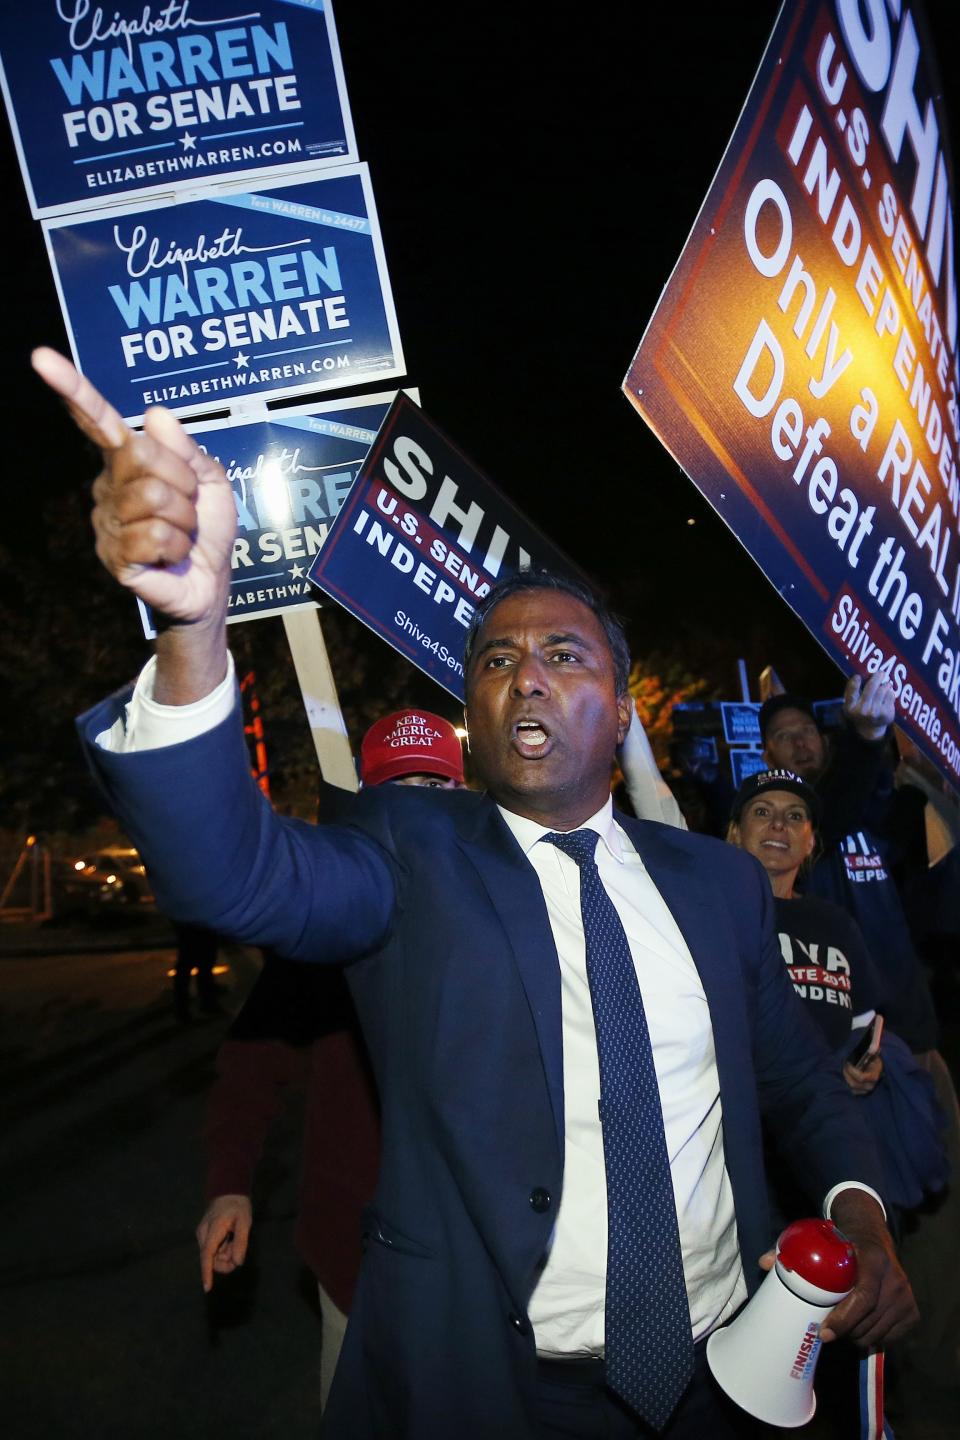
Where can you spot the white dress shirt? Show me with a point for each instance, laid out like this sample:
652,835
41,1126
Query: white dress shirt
567,1306
146,725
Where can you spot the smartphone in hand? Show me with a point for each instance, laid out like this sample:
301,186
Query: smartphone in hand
867,1046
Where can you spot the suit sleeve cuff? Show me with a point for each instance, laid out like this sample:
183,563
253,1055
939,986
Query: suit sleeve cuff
146,725
850,1185
229,1175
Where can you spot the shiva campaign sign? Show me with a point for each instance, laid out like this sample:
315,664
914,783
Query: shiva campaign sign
421,537
233,294
147,99
802,362
290,473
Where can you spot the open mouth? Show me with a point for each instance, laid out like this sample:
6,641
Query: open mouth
531,738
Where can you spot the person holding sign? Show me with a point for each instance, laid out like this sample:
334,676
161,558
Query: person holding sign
557,1004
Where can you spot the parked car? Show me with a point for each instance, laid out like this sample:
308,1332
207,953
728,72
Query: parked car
109,879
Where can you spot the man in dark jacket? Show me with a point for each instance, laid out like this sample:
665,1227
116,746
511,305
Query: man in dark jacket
559,1005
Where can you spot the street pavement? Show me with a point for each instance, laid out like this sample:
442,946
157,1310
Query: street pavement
106,1334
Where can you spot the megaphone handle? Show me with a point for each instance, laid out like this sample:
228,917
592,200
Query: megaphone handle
873,1425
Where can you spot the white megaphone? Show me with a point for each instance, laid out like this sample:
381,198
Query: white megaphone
766,1358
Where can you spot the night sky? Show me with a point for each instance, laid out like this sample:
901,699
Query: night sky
537,169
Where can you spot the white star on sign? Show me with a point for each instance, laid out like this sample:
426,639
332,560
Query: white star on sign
189,142
296,572
241,361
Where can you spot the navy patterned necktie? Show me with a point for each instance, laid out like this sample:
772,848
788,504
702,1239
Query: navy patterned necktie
648,1345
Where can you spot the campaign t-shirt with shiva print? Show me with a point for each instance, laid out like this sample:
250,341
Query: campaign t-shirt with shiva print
828,963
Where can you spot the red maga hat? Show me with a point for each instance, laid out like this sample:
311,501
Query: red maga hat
410,742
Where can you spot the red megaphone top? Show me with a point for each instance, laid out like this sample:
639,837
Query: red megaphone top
817,1252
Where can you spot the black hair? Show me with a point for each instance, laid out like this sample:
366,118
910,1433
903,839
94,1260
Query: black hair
772,707
566,585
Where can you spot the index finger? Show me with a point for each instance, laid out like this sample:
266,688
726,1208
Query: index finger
94,415
209,1245
206,1270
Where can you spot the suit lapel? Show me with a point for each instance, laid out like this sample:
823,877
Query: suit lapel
514,890
699,910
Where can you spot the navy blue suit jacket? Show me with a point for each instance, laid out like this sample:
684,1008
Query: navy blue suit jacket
441,921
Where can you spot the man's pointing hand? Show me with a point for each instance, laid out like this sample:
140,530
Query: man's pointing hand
164,515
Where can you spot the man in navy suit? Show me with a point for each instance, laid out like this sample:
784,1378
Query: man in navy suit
481,1305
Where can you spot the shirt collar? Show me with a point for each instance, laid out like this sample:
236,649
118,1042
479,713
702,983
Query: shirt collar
527,832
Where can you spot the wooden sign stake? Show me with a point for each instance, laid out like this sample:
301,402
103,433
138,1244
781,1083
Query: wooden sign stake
324,716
